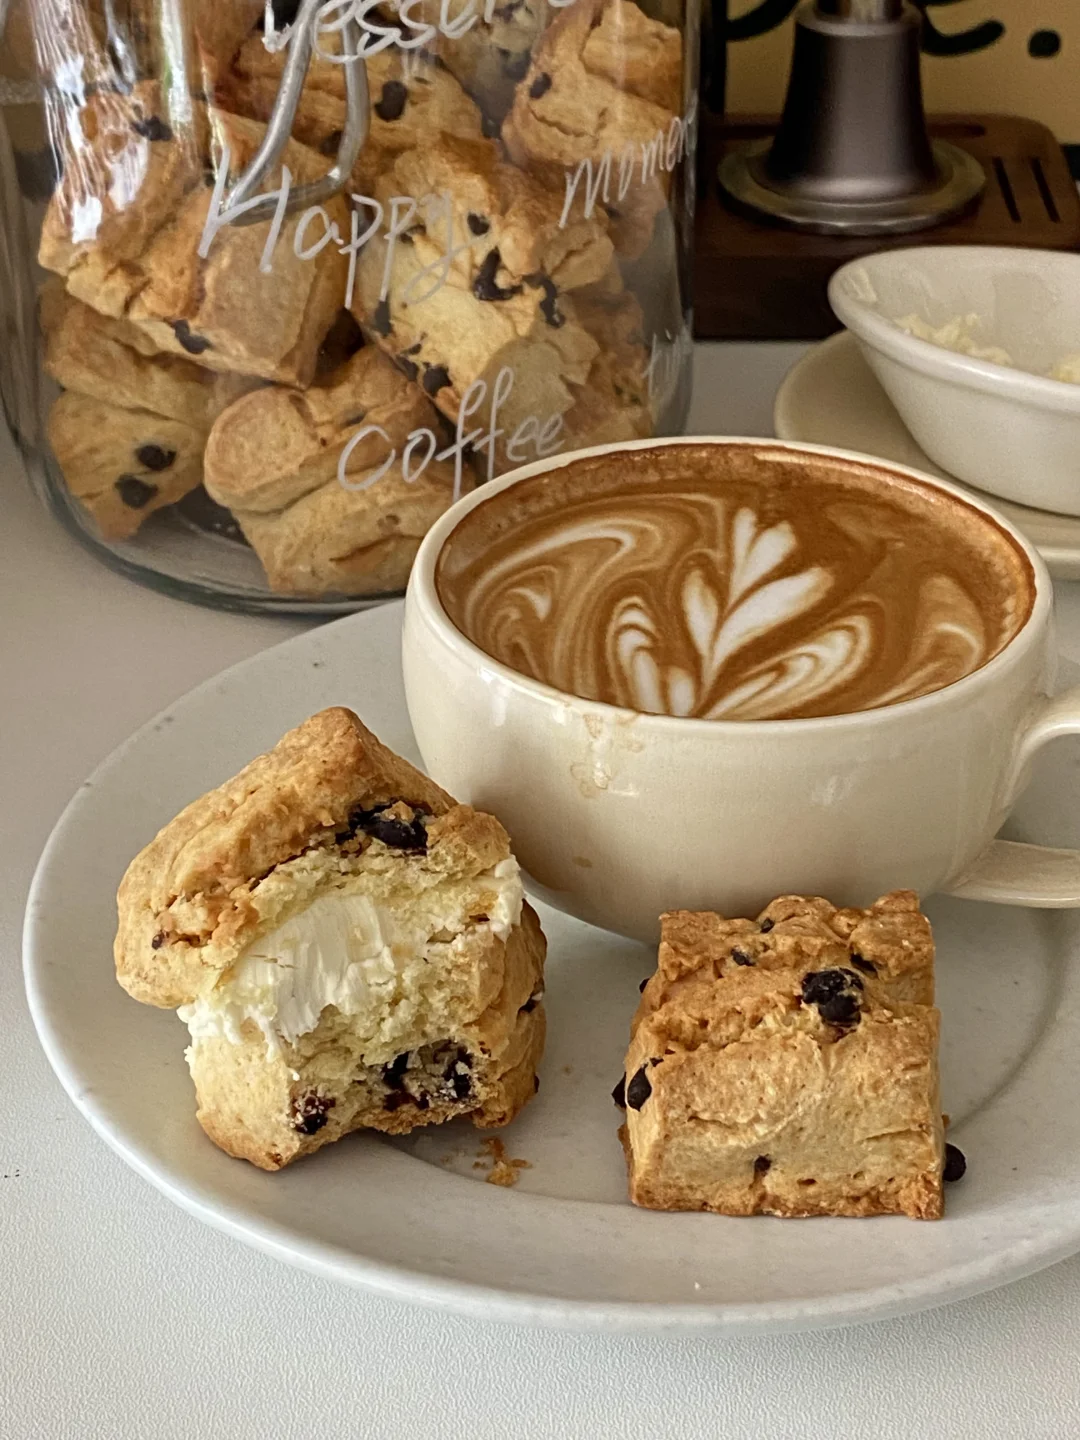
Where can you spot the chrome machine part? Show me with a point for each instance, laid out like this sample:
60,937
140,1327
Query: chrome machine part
852,154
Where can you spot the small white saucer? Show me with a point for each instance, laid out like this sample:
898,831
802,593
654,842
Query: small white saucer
831,397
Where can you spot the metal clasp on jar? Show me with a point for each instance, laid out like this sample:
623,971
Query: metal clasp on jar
301,43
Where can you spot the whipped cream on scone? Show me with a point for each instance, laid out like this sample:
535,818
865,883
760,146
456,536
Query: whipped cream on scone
348,947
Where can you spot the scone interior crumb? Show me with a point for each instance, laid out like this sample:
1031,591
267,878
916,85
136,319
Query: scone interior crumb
374,934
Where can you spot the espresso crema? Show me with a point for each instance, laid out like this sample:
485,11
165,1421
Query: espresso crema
734,583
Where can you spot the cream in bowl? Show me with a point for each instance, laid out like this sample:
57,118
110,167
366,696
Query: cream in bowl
694,674
978,347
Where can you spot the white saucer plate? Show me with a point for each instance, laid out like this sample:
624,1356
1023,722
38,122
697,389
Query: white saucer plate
832,397
413,1218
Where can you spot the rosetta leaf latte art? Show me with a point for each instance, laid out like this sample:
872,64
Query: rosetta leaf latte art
742,601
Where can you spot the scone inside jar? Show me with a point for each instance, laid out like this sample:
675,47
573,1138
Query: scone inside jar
388,975
509,243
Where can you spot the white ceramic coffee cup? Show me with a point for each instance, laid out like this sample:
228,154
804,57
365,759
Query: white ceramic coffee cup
618,816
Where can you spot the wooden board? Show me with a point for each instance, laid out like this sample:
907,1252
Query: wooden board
753,280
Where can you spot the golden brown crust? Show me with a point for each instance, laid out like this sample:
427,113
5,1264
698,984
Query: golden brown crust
890,944
184,904
788,1065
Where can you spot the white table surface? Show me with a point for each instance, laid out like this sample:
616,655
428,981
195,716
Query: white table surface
120,1316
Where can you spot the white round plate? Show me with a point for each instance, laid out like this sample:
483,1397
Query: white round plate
413,1218
832,397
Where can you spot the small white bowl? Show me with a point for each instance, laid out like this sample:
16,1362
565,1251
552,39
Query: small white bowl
1009,430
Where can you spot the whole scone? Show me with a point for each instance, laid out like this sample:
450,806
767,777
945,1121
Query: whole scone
273,459
603,88
126,223
348,947
788,1065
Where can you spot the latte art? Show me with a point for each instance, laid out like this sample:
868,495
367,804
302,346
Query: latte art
776,587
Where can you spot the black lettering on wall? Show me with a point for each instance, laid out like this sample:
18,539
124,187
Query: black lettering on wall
961,42
770,13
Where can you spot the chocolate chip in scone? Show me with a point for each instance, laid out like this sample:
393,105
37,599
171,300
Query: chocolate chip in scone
536,1084
152,128
540,86
357,419
485,286
435,377
835,993
135,493
408,368
37,171
532,1002
741,957
391,104
619,1093
158,940
394,1073
638,1090
766,926
548,305
955,1165
380,320
866,966
332,144
155,457
396,1099
192,343
762,1165
641,987
310,1112
515,63
478,225
458,1074
392,830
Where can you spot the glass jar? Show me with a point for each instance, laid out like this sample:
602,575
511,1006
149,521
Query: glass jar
282,278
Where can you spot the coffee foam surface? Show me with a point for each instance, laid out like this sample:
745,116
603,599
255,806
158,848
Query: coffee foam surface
734,582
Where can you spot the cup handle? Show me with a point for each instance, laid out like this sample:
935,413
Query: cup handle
1010,873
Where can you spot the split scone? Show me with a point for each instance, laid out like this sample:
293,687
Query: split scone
788,1065
348,947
